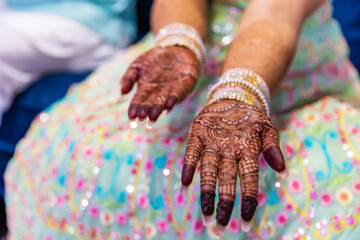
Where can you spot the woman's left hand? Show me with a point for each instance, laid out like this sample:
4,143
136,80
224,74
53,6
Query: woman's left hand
228,137
164,76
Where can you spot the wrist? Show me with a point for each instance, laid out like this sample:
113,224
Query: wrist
244,86
178,34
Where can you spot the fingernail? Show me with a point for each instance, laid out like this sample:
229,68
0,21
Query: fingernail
183,190
207,220
169,104
132,112
220,230
133,124
140,121
245,226
150,124
284,174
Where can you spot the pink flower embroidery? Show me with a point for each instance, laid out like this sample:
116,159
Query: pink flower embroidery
281,219
88,151
354,130
179,199
80,184
139,139
148,166
326,199
82,229
327,117
289,150
94,232
289,207
94,212
356,187
299,124
303,153
261,198
121,218
62,224
60,201
167,142
295,185
234,226
142,201
197,226
169,218
162,226
54,172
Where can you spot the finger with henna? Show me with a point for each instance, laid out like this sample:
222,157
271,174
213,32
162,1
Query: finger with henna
210,163
249,176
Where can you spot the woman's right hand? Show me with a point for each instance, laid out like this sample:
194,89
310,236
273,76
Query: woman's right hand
165,76
227,138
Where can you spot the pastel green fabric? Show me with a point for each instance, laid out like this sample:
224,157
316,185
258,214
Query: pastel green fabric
114,20
81,172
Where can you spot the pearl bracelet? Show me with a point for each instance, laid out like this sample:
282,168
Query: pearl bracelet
182,35
252,77
244,86
247,83
184,42
238,95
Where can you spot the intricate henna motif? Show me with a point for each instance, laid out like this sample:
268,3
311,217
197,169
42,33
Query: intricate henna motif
224,210
228,137
165,76
207,202
248,207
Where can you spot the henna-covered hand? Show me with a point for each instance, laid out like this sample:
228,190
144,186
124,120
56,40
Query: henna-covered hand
165,76
227,137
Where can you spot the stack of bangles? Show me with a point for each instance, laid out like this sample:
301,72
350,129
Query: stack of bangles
244,86
179,34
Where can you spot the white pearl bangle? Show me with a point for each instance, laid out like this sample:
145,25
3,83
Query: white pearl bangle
238,95
182,41
253,89
235,72
182,35
247,82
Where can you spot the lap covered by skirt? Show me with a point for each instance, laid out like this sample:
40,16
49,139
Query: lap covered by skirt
81,172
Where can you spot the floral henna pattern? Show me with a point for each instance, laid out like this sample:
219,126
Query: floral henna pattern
165,76
227,138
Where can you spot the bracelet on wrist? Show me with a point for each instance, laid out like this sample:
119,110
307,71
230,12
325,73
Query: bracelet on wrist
179,34
241,85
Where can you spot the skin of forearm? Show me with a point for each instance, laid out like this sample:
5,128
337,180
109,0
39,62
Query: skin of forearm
191,12
267,36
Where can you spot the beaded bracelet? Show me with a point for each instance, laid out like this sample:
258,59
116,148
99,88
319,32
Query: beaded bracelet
180,34
239,84
250,76
248,84
238,95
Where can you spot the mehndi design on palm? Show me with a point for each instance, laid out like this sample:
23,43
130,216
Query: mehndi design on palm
227,138
165,76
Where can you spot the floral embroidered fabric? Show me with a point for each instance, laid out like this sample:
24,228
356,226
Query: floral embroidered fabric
82,173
